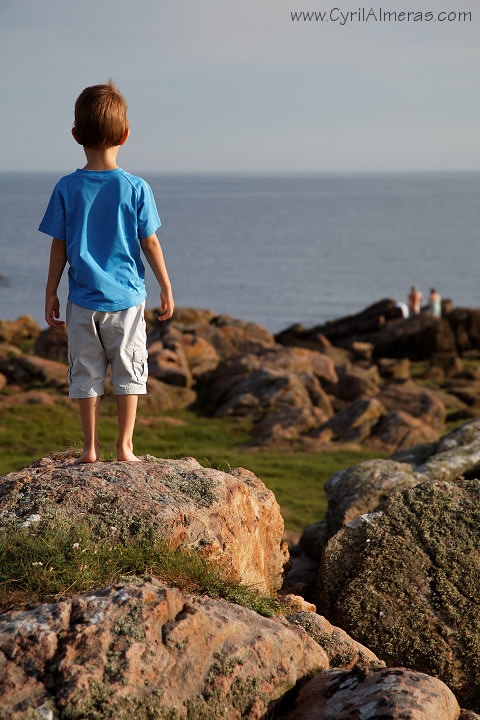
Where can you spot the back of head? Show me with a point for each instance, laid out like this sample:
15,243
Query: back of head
100,116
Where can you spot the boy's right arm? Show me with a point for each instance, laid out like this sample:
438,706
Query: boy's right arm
153,253
58,260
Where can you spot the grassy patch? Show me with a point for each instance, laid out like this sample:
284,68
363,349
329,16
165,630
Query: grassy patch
28,432
58,558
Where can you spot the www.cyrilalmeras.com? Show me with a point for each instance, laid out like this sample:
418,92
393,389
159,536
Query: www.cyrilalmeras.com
343,17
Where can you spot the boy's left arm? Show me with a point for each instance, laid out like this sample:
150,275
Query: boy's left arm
58,260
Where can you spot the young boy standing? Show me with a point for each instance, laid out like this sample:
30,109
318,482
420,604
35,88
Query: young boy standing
99,217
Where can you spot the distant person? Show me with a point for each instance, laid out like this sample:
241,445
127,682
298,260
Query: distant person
435,303
99,218
414,301
403,307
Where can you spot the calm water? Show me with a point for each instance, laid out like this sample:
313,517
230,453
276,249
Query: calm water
276,250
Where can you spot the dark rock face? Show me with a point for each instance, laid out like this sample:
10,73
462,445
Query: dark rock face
405,579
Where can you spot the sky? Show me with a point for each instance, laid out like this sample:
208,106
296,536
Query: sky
237,86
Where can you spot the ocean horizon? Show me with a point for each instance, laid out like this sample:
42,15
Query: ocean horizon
275,249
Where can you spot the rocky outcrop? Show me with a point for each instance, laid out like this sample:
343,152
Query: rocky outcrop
148,651
18,331
229,517
360,489
342,650
404,580
393,693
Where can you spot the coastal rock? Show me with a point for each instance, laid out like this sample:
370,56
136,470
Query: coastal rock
28,369
355,382
354,423
393,368
229,517
285,426
417,338
201,355
465,324
269,380
346,330
162,397
147,650
457,454
342,650
417,401
168,363
52,344
404,580
227,335
360,489
17,331
399,430
393,693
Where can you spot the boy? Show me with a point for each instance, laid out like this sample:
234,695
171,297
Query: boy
99,217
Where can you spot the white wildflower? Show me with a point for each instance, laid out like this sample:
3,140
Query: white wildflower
38,562
76,545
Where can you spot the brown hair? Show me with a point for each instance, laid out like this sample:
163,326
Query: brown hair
101,116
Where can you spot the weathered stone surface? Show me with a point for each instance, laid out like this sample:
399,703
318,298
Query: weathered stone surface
417,337
355,422
287,425
52,344
399,430
162,397
168,363
16,331
364,693
27,369
342,650
360,489
456,454
273,379
355,382
201,355
404,580
361,350
229,517
145,651
393,368
417,401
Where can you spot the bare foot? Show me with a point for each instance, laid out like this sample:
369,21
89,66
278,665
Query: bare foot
127,456
88,456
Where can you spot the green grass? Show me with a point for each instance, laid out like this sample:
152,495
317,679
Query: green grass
28,432
58,559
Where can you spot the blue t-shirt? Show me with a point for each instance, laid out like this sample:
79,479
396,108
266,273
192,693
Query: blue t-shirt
102,215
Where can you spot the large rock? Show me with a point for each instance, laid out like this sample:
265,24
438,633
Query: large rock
418,338
17,331
52,344
148,651
230,517
399,430
354,423
360,489
31,369
227,335
342,650
361,694
343,331
404,580
417,401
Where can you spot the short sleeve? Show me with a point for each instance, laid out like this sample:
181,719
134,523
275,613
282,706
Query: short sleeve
53,222
147,216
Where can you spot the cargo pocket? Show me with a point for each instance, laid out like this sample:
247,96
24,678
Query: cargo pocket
140,364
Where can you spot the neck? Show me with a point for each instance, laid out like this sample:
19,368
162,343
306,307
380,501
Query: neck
101,159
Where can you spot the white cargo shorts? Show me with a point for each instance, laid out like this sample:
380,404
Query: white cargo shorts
97,338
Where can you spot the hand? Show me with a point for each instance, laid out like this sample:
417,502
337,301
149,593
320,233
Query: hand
167,304
52,311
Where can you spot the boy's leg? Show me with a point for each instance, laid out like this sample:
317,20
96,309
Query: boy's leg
127,412
89,410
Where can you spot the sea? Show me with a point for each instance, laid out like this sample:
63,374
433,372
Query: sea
275,250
